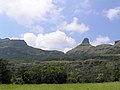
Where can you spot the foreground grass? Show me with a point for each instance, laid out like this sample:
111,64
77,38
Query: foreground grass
96,86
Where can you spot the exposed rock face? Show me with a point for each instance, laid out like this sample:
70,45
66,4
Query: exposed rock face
116,42
85,42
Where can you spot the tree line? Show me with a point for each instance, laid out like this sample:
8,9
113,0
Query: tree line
88,71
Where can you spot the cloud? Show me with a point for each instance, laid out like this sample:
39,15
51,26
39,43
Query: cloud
83,7
26,10
67,49
52,41
59,1
35,14
74,26
113,13
101,40
31,13
30,39
37,29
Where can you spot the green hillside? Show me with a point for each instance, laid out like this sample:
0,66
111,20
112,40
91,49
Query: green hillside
19,50
86,51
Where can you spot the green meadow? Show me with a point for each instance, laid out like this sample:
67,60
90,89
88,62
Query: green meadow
90,86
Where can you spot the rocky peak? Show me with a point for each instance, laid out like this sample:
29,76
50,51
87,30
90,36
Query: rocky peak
85,42
116,42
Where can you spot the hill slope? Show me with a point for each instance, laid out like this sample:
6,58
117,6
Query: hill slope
86,51
19,50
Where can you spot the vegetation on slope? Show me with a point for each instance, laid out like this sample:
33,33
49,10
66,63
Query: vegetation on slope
86,51
19,50
83,64
57,72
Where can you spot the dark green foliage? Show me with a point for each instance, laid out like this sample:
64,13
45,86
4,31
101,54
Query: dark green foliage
5,74
87,64
55,72
43,74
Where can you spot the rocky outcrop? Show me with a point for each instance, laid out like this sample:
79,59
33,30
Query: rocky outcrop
85,42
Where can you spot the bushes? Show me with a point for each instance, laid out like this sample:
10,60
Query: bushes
44,74
88,71
53,75
5,74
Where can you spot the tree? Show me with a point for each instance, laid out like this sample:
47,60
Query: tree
5,74
53,74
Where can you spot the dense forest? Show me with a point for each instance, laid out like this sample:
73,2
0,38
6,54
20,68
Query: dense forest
22,64
59,72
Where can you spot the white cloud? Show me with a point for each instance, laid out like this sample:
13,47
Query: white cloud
74,26
101,40
59,1
30,39
52,41
113,13
26,10
83,7
37,29
31,13
36,13
54,16
67,49
14,38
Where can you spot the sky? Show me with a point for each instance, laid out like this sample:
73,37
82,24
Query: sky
60,24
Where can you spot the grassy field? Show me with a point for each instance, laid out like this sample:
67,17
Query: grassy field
96,86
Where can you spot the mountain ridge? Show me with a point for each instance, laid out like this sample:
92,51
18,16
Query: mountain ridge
19,50
86,50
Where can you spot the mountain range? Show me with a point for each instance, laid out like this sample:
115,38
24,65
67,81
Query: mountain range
85,50
19,50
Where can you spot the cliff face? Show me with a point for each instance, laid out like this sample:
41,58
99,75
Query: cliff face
117,42
85,42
